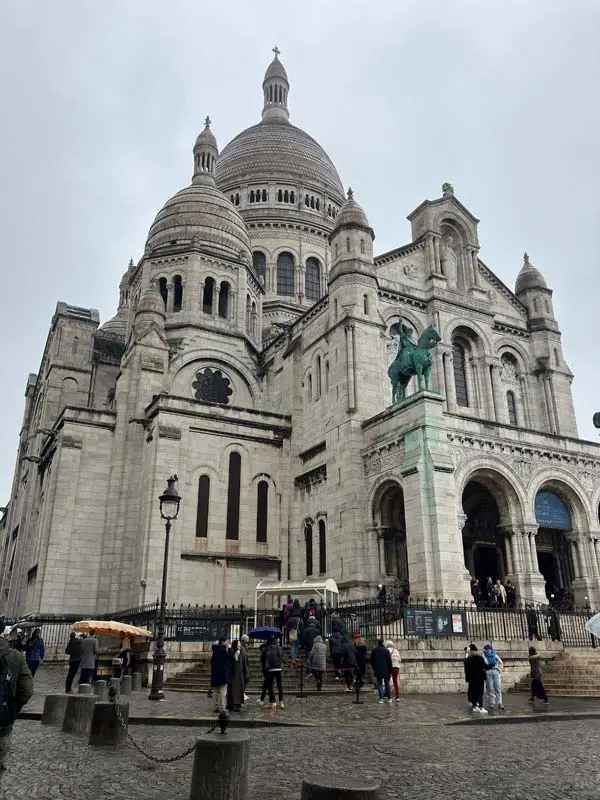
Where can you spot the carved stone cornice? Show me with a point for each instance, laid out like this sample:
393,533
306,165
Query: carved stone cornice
384,457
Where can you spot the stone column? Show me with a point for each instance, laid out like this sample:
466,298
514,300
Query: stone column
524,401
430,254
215,306
170,297
438,371
475,261
594,556
487,388
467,267
350,366
436,255
573,542
449,381
499,399
221,767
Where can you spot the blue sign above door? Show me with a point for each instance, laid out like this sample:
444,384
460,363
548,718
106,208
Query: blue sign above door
551,512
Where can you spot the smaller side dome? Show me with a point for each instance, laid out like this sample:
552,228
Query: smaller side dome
351,215
529,277
151,302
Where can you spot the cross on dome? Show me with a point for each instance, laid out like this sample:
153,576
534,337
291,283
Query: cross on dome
350,193
277,51
207,122
525,258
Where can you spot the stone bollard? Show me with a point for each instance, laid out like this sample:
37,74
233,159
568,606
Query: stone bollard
78,714
221,766
106,730
136,683
321,787
101,690
126,684
84,688
54,709
116,682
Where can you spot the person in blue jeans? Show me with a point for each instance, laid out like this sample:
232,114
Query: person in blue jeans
381,661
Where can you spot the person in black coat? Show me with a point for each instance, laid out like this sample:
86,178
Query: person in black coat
295,629
311,631
220,673
475,670
381,661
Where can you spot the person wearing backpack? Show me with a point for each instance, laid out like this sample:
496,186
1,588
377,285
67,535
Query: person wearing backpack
16,687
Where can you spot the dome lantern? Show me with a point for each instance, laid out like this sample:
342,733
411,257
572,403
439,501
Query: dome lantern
205,156
275,91
529,277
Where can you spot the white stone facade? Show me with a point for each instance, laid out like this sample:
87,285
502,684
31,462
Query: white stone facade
220,357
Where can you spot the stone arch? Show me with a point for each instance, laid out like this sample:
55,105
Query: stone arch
502,483
187,363
507,346
245,454
567,489
264,476
469,324
447,217
389,525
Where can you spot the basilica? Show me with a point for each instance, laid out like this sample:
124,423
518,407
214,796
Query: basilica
249,355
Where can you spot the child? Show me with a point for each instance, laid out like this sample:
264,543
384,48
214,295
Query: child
537,687
475,678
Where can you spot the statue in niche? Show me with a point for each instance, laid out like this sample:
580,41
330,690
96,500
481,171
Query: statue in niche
449,261
413,358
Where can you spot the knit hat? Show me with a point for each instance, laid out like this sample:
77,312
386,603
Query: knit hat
357,636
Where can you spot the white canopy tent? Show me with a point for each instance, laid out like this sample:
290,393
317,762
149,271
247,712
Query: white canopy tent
270,595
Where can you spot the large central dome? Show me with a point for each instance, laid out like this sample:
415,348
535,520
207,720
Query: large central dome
276,151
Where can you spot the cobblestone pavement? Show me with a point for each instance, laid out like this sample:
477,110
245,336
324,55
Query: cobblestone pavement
539,762
327,710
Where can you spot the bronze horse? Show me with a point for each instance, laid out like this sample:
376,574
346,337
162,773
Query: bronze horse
412,359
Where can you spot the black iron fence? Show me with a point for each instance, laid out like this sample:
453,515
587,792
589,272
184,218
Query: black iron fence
372,619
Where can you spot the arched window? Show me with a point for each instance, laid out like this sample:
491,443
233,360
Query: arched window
322,547
237,198
202,509
74,344
292,197
177,293
264,195
309,387
208,295
327,375
286,196
254,321
318,376
262,510
348,244
232,530
164,290
308,541
312,201
512,408
547,304
536,305
460,375
306,200
224,300
279,196
259,262
362,246
366,304
285,274
312,280
248,314
68,393
252,195
335,307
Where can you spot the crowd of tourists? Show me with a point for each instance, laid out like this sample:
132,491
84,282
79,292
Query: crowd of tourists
493,594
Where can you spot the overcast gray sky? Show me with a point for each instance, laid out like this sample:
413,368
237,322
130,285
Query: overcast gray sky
101,103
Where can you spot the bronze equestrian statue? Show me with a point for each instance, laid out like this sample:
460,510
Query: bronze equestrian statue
413,358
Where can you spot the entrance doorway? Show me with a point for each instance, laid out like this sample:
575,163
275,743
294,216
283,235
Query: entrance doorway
483,541
555,559
391,526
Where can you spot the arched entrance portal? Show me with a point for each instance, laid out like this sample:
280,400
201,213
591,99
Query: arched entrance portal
555,557
483,541
389,519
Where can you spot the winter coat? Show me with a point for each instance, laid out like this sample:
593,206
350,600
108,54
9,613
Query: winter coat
219,666
34,650
475,670
311,631
348,654
381,661
235,684
335,644
361,658
295,623
287,612
274,658
318,654
394,654
536,664
21,682
73,650
89,648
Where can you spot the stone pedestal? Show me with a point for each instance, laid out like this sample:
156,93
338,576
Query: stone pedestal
136,683
323,787
101,690
54,709
221,767
105,729
126,684
84,688
78,714
116,684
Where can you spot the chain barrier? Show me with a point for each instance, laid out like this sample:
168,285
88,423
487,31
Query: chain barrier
155,759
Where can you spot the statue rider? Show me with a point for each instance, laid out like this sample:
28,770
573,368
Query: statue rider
406,344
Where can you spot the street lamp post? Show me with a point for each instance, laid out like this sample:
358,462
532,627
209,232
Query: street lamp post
169,508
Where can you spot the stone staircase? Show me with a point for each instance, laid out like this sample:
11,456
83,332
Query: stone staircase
572,673
197,677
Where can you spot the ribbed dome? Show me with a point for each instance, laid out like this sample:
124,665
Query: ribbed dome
276,70
529,277
351,214
202,213
275,150
151,301
115,328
